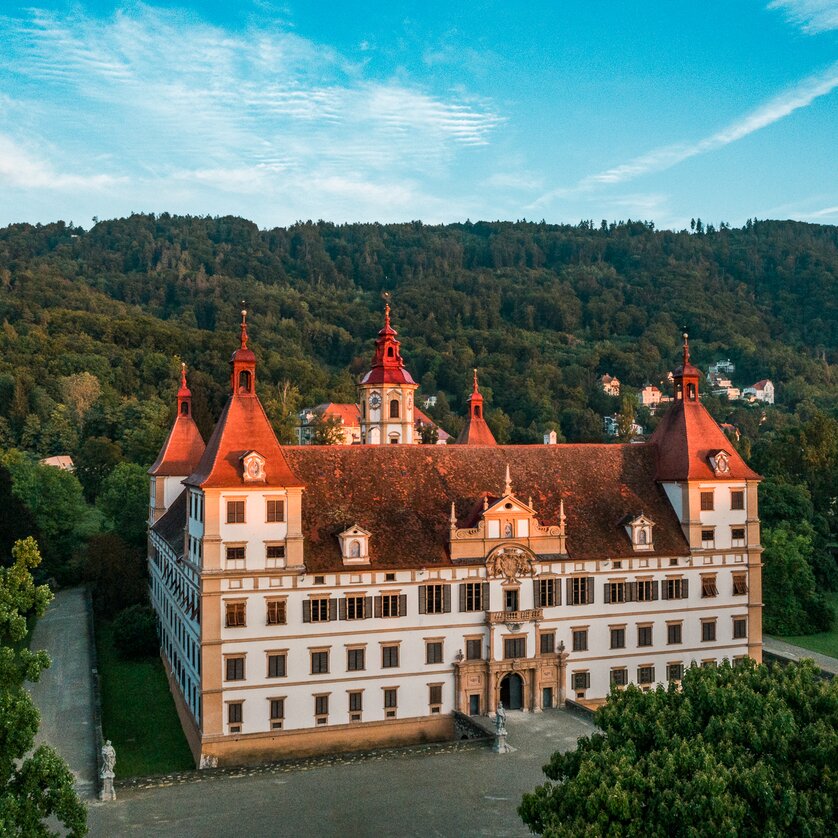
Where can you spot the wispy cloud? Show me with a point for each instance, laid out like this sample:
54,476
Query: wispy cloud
264,109
812,16
799,96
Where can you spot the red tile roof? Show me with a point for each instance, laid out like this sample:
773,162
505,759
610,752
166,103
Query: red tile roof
182,450
686,438
420,416
243,427
170,527
475,431
349,414
387,364
402,495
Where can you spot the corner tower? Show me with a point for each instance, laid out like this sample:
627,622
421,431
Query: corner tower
476,431
385,393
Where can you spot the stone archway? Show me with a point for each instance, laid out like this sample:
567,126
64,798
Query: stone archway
512,691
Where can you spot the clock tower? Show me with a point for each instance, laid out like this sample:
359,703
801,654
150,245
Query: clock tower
386,392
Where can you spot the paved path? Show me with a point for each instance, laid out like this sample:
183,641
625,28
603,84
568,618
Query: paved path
789,650
64,695
463,793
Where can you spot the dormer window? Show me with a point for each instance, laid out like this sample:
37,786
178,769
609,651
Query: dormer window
639,530
720,463
253,467
354,545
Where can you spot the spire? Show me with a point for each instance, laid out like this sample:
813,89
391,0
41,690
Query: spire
685,378
243,363
453,519
686,349
476,431
184,395
387,363
507,488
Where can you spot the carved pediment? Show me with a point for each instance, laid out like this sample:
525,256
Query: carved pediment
510,562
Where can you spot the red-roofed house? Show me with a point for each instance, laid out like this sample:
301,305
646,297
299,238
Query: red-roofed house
324,598
762,391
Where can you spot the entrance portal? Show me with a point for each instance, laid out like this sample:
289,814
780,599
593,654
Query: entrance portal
512,691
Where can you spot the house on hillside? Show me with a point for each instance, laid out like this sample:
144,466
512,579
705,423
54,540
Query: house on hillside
762,391
610,384
62,461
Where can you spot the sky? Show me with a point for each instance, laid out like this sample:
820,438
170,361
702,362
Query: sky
388,111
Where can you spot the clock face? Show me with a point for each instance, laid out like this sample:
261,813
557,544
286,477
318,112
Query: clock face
722,465
375,401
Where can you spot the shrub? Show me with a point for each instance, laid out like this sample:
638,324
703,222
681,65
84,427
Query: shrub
135,632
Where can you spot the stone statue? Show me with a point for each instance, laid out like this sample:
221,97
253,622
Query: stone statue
107,774
500,719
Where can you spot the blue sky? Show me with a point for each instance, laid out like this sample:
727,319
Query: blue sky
388,111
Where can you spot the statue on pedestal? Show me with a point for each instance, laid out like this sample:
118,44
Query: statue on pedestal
500,746
107,774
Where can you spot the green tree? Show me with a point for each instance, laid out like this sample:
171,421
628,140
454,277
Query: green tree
35,786
625,418
117,573
123,500
326,430
97,458
429,434
747,750
282,410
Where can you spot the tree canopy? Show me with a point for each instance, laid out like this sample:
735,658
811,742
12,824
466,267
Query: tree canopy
748,750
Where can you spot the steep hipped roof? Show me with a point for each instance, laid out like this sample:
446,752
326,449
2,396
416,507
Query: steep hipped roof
171,525
686,438
184,446
243,427
476,431
402,495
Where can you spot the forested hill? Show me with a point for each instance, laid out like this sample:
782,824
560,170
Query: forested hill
541,309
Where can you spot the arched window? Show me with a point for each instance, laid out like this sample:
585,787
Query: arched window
363,409
355,550
507,530
477,411
679,391
389,351
394,408
244,381
184,408
691,392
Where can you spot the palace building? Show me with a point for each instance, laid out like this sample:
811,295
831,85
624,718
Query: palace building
324,598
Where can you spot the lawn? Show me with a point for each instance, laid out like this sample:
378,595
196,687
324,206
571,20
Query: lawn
138,713
825,642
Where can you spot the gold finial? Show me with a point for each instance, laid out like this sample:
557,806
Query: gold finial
244,326
182,374
686,348
475,380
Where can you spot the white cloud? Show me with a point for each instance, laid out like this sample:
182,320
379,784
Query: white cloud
812,16
799,96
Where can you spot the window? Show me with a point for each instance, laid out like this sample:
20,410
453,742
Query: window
580,590
740,628
674,633
275,555
708,631
355,660
277,615
740,584
235,511
319,580
234,715
244,381
277,710
319,663
433,652
707,501
353,608
510,599
737,537
737,499
514,647
275,511
708,539
321,708
235,557
618,638
276,665
389,577
548,593
647,590
235,669
394,408
615,592
435,696
548,642
644,635
674,671
356,705
390,701
317,610
645,674
581,681
389,657
471,596
474,650
708,586
391,605
434,599
675,589
580,640
619,677
235,614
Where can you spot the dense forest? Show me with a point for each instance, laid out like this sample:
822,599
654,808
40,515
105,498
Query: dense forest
96,322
